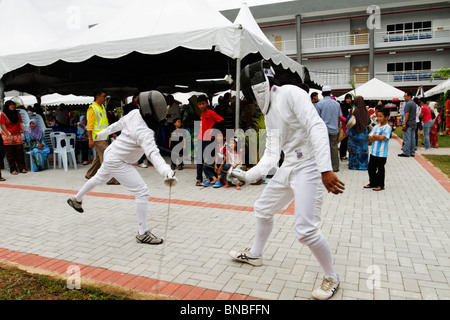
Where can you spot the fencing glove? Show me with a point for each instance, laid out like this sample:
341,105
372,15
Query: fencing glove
170,179
237,176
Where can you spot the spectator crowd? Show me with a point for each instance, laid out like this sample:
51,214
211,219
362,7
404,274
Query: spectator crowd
358,134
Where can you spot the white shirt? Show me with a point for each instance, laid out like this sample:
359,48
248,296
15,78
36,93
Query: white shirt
294,127
418,111
135,139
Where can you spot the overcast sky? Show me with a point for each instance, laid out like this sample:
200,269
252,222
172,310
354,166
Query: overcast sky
58,12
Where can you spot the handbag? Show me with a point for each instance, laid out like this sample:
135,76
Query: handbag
351,122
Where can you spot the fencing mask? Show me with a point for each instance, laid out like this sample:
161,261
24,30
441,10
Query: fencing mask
255,83
153,108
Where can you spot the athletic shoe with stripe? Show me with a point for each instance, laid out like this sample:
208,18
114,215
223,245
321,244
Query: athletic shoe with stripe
149,238
327,288
245,256
75,204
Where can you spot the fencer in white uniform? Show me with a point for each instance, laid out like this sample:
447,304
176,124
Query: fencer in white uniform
294,127
136,138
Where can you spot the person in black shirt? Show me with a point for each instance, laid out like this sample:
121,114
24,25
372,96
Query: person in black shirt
132,105
346,105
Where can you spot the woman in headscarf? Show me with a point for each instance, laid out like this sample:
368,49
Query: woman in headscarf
435,128
12,128
358,142
36,142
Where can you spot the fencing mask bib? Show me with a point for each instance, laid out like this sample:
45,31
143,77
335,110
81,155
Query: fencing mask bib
153,108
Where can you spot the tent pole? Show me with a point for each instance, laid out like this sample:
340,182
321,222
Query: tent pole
238,92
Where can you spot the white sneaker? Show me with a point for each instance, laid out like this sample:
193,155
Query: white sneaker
148,238
245,256
142,165
327,288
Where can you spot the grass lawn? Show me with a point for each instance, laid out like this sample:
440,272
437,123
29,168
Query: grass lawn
16,284
444,141
19,284
440,161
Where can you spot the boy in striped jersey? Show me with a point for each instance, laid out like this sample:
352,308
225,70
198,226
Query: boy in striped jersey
379,136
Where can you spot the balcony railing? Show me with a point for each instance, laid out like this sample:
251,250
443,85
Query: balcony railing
408,76
343,40
408,35
400,77
342,77
347,41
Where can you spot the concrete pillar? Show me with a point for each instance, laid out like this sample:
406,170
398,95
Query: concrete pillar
371,53
298,29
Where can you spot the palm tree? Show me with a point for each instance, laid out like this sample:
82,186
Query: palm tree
443,72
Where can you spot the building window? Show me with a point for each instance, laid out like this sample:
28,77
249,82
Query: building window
409,71
408,31
409,66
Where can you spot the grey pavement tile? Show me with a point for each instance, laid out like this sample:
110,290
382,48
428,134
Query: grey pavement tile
402,231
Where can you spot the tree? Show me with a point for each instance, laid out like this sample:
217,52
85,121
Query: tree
443,73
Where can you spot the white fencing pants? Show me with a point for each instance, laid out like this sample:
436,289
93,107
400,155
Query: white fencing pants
128,177
307,190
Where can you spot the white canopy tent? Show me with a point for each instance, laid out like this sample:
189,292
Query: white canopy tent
153,27
375,89
54,99
22,30
145,29
28,100
440,88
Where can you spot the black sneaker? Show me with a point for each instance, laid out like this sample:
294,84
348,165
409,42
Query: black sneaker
75,204
403,155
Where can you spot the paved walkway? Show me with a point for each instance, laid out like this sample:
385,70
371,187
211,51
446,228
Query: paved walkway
392,244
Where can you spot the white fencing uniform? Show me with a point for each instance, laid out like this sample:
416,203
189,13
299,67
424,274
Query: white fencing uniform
134,140
294,127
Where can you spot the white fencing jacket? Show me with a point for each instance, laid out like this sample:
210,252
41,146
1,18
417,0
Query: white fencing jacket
294,127
135,139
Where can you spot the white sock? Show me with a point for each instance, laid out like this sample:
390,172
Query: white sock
142,211
322,252
87,187
263,230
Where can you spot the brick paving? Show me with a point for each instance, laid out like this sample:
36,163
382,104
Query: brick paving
392,244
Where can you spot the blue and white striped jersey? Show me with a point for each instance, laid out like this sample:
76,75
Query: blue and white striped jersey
380,147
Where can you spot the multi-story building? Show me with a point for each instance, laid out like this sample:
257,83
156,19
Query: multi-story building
351,41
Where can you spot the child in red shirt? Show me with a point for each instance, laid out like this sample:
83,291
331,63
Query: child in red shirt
208,120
